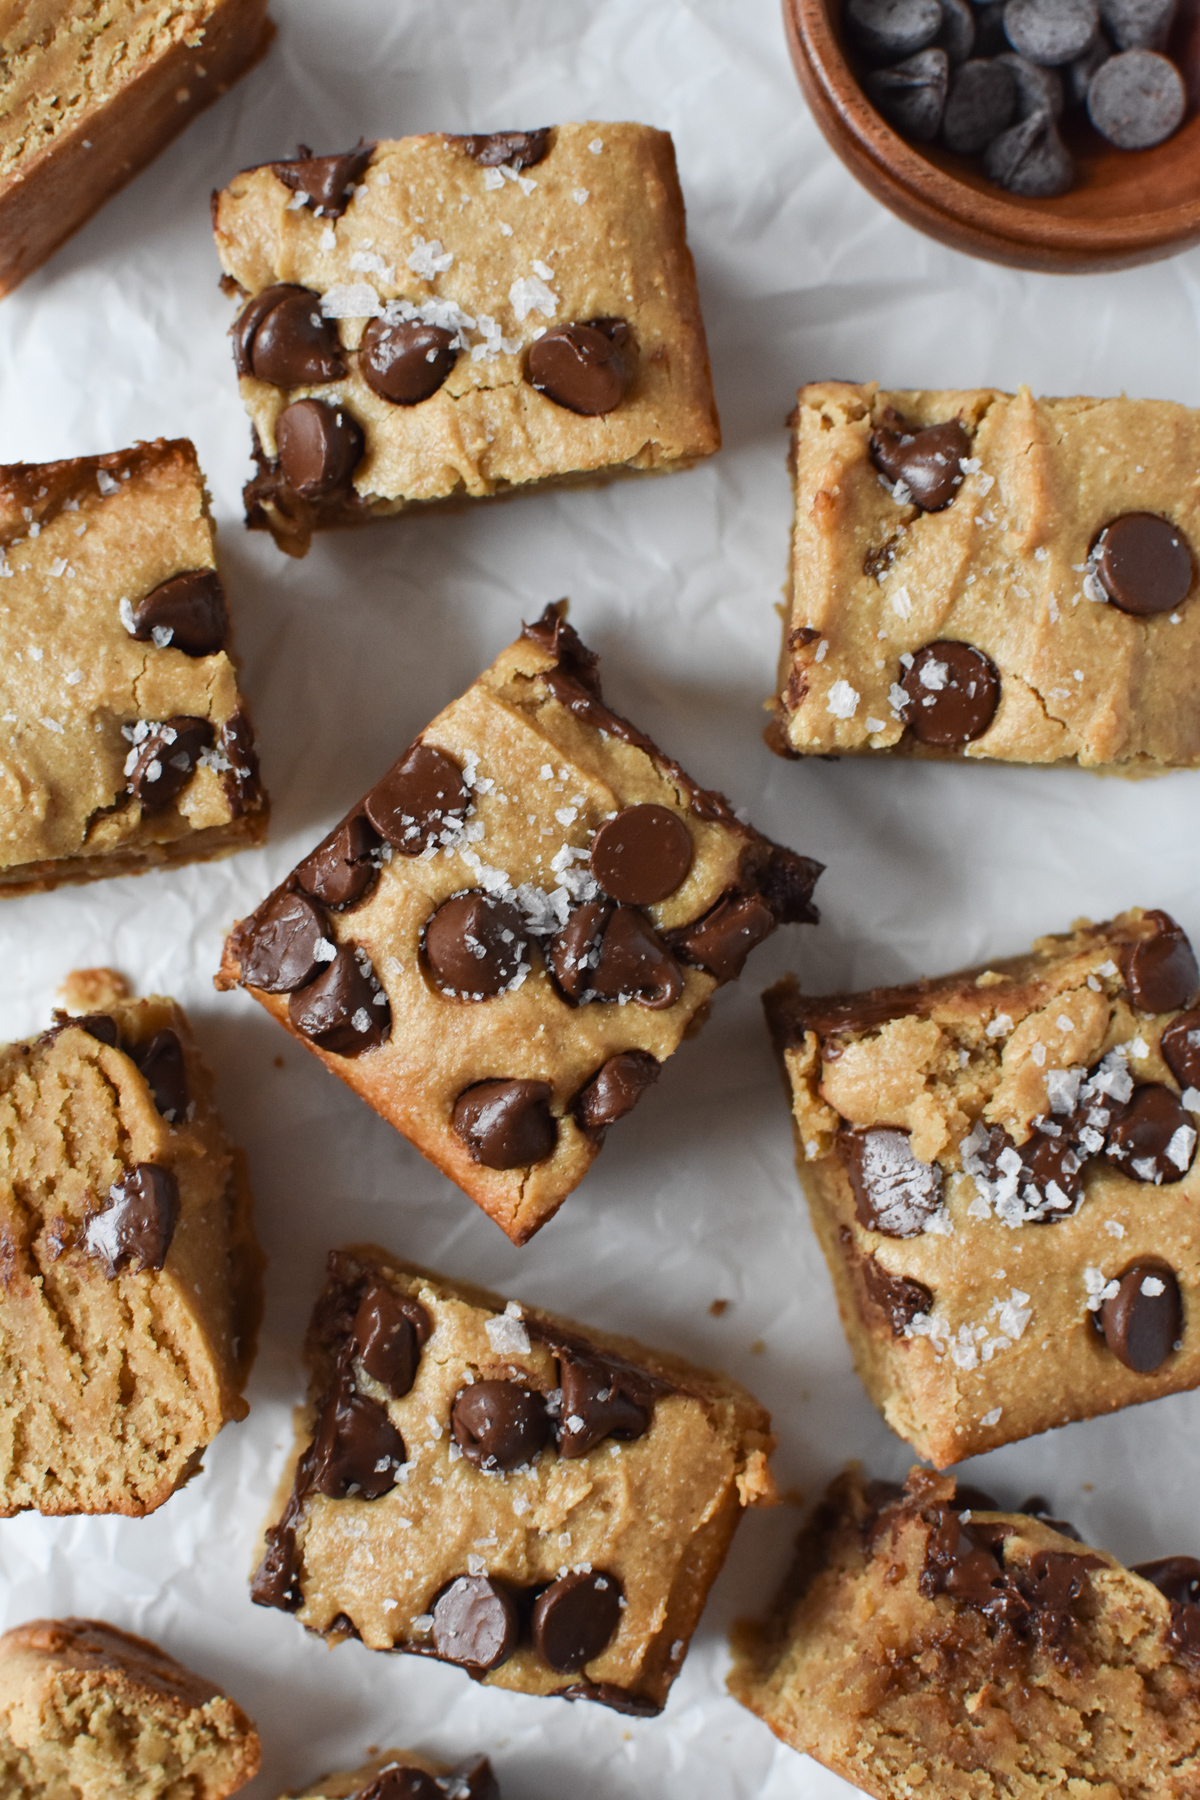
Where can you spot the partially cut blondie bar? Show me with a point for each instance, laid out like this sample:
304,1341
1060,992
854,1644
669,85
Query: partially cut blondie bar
1001,1169
406,1775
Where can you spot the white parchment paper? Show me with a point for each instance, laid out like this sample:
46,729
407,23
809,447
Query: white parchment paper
347,654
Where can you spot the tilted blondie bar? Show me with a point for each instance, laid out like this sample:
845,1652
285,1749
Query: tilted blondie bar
406,1775
437,318
992,576
88,1712
1001,1170
124,742
928,1642
90,94
500,945
130,1298
543,1505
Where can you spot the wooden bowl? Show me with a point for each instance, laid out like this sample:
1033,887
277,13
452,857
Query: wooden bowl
1127,207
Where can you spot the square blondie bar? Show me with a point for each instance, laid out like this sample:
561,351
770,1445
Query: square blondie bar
1001,1170
543,1505
986,575
433,318
125,744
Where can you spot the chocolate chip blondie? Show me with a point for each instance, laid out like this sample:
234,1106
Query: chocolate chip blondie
131,1275
88,1712
406,1775
1001,1170
435,318
125,742
987,575
543,1505
930,1642
91,94
501,944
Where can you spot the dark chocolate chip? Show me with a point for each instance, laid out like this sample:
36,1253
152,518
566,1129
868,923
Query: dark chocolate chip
251,317
1077,76
723,938
1144,1143
614,1090
165,760
186,613
890,29
634,963
1038,1507
1143,1321
472,1780
1051,31
899,1297
582,367
402,1784
602,1397
475,945
927,461
276,1579
1143,564
618,1699
421,796
289,343
325,180
1161,972
342,869
407,361
642,855
981,101
1036,89
100,1026
475,1623
162,1064
1178,1577
137,1225
894,1193
957,34
1136,99
356,1448
1138,24
968,1498
786,882
388,1331
575,951
506,1124
241,779
1179,1047
575,1619
508,149
344,1010
912,94
319,446
1051,1167
1030,159
499,1424
953,692
280,945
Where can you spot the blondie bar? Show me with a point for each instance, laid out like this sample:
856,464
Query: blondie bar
406,1775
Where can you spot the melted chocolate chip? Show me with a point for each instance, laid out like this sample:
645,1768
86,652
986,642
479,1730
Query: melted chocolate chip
276,1580
280,944
506,1124
97,1025
166,760
896,1295
927,461
475,1623
499,1424
343,869
512,149
614,1090
619,1699
721,941
1034,1601
1143,564
969,1498
165,1071
1038,1507
1180,1049
186,613
1145,1142
602,1397
402,1784
1161,971
634,963
584,368
894,1193
642,855
319,446
240,780
475,945
575,1619
953,691
421,796
325,181
1143,1321
344,1010
136,1227
282,338
1050,1176
1178,1577
388,1332
356,1448
406,362
474,1780
786,883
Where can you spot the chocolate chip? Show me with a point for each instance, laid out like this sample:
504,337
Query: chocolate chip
575,1619
584,368
1051,31
1136,99
981,101
1037,1507
506,1124
276,1580
100,1026
1179,1047
319,446
634,963
1178,1577
574,952
475,1623
240,780
160,767
282,338
344,1010
251,317
723,938
1143,564
1138,24
1161,972
1146,1143
957,34
165,1071
613,1091
1036,89
642,855
889,29
475,945
281,944
1143,1321
786,882
356,1448
325,180
1030,159
499,1424
969,1498
1078,75
912,94
388,1331
894,1193
137,1225
402,1784
421,796
927,461
407,361
953,692
473,1780
1049,1167
900,1298
342,869
602,1397
186,613
515,150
